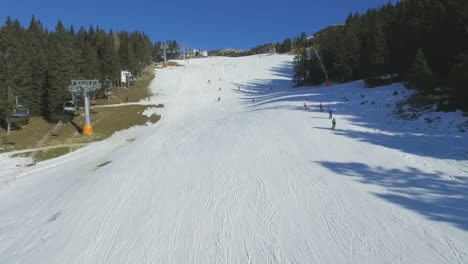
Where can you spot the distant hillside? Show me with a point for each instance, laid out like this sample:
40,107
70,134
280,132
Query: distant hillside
227,52
261,49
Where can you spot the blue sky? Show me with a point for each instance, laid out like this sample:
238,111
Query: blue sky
202,24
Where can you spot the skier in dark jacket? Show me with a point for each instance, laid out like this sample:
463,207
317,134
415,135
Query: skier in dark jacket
333,124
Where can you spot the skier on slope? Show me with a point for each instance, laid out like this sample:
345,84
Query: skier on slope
330,111
333,124
321,107
306,108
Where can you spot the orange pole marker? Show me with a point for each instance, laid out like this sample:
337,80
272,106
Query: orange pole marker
87,129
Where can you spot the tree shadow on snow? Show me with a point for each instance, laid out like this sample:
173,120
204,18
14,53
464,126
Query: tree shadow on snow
372,112
429,194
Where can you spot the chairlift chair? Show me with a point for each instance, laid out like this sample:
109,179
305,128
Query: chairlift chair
107,84
20,110
69,106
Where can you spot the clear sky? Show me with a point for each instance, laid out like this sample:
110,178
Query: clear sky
209,24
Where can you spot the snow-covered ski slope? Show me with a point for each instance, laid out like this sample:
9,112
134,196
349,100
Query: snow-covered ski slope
233,181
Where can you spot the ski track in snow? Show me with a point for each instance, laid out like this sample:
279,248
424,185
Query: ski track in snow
241,182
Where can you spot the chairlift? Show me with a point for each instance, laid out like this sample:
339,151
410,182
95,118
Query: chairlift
20,110
107,84
69,106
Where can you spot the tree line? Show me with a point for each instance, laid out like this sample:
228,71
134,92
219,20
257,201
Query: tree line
423,42
37,65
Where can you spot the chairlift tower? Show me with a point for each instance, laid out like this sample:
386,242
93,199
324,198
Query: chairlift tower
183,49
85,87
186,51
165,48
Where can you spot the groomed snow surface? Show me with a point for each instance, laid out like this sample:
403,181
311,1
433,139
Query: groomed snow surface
237,181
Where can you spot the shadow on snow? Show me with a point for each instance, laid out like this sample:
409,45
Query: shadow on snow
367,112
437,198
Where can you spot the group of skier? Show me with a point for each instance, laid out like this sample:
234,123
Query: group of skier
330,114
330,111
219,89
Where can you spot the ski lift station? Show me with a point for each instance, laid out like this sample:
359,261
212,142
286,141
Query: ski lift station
200,53
126,77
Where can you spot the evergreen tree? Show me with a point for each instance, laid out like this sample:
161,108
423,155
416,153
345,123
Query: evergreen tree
315,74
17,78
60,73
158,51
458,82
37,65
420,75
300,67
374,51
88,64
37,44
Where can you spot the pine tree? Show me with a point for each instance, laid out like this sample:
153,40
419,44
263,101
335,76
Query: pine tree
374,53
87,63
60,73
37,44
158,51
287,45
420,75
113,59
458,82
300,67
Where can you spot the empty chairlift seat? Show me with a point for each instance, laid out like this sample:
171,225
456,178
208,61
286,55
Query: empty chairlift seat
69,106
20,111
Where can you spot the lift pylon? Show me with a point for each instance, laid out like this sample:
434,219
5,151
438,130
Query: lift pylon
85,87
